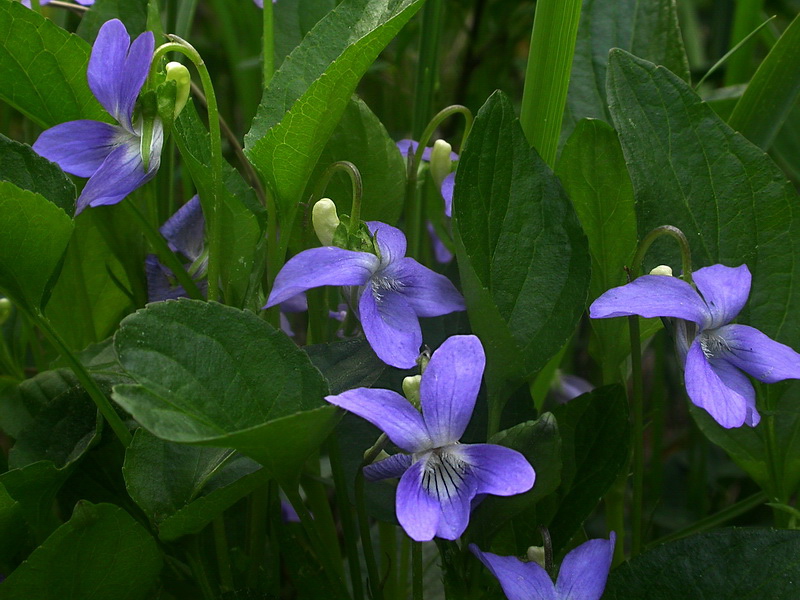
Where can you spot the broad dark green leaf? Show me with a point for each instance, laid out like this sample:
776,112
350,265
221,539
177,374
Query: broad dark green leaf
35,487
725,564
20,165
182,488
240,215
19,407
690,170
293,20
35,235
213,375
43,69
595,437
540,443
347,364
646,28
522,255
362,139
101,553
12,527
593,172
308,94
133,13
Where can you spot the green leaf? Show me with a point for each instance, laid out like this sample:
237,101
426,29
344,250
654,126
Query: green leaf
772,92
362,139
35,487
183,488
729,563
133,13
690,170
595,437
101,553
12,527
241,216
20,165
522,256
647,29
593,172
213,375
293,20
347,364
35,235
43,69
540,443
308,94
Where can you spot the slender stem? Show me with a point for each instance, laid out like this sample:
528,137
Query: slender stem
678,236
555,28
388,537
356,184
416,571
637,414
317,498
196,563
428,66
258,511
715,520
213,219
268,46
89,384
164,253
349,526
405,560
615,514
223,558
366,538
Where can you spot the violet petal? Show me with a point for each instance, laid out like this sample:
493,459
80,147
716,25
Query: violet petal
391,241
390,325
388,468
79,147
448,185
519,580
757,354
429,293
184,230
725,290
498,470
417,512
584,571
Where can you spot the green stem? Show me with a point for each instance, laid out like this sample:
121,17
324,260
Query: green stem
89,384
637,414
678,236
349,526
356,185
164,253
416,571
213,216
317,498
715,520
366,538
268,46
258,513
615,514
223,558
428,66
745,19
555,28
388,537
195,559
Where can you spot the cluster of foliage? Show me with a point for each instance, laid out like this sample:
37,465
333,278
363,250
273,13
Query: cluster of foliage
264,334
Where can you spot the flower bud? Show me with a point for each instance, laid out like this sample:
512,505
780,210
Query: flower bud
441,165
411,389
662,270
5,310
381,455
325,220
536,554
180,75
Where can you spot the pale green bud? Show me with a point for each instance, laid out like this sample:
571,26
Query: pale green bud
662,270
5,310
325,220
536,554
411,389
381,455
441,165
183,80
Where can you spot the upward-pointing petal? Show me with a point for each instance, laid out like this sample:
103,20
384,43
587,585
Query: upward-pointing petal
316,267
184,230
519,580
391,241
584,572
725,290
652,296
449,387
118,69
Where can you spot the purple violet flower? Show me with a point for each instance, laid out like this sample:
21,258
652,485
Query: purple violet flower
389,293
714,352
109,155
43,2
408,147
260,3
582,575
439,477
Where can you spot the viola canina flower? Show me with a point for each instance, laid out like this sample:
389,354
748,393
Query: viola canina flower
714,352
582,575
436,155
43,2
439,477
111,156
388,293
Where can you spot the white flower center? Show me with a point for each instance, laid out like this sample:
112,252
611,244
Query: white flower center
382,284
712,344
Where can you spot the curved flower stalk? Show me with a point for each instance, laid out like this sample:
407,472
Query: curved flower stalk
43,2
439,477
260,3
111,156
714,352
388,292
582,575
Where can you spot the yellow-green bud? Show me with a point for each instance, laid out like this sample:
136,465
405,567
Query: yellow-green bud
183,80
381,455
536,554
325,220
5,310
662,270
441,165
411,389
